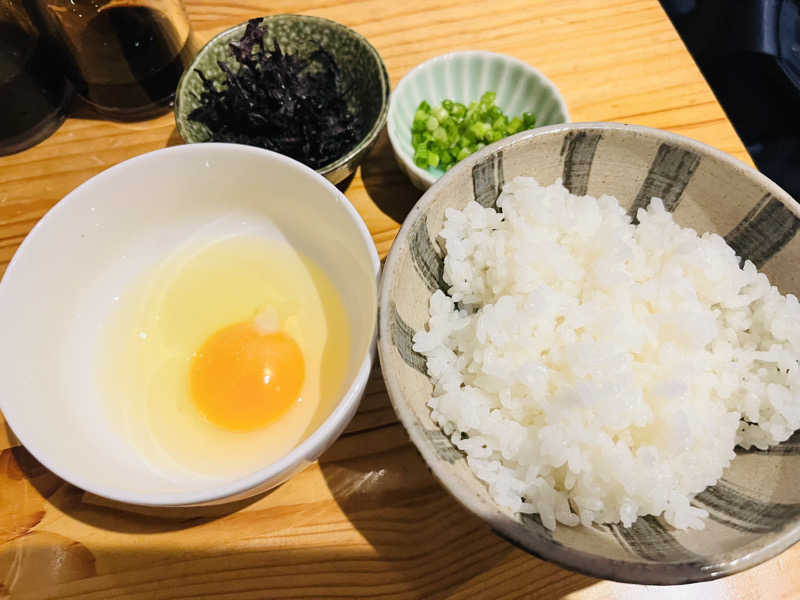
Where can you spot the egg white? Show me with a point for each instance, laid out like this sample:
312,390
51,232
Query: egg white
149,339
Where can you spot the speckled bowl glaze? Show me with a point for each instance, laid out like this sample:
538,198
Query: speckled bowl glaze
463,77
363,74
755,508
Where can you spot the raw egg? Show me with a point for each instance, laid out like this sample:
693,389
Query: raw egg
224,356
243,378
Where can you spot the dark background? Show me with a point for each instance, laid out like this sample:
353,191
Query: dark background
749,52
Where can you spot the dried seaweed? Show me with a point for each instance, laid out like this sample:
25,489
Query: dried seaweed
292,105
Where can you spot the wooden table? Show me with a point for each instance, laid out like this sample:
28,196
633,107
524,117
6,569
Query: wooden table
368,520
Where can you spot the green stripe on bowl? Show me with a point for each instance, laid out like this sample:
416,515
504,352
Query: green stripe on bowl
547,113
514,96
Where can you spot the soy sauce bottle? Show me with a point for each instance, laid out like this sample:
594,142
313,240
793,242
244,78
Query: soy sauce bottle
34,92
124,58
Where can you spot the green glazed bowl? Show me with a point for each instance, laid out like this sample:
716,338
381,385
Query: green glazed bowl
463,77
363,74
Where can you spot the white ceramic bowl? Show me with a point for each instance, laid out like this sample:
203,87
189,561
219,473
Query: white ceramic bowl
463,76
59,288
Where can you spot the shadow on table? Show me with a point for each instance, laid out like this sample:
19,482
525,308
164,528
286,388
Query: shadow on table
421,543
99,512
387,186
424,537
174,138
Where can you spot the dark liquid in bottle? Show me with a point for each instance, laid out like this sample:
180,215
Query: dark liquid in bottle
132,59
33,92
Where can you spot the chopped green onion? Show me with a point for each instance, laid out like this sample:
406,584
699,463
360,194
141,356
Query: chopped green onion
446,133
440,113
480,129
528,120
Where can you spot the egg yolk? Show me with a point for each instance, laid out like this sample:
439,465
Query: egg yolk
243,379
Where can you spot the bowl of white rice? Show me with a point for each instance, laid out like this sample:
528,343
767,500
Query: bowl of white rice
591,333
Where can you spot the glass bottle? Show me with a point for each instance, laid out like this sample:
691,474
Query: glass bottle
125,57
33,90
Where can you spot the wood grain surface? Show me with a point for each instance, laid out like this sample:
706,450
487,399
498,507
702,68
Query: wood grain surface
368,520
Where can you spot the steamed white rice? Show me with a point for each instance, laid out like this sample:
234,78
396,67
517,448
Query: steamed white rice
593,370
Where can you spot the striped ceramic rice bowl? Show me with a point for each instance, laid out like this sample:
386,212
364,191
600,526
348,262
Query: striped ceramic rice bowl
754,509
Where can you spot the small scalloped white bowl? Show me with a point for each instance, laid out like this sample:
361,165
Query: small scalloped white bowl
92,244
463,76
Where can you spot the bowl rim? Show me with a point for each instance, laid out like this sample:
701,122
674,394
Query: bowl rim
652,573
364,142
423,174
324,435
